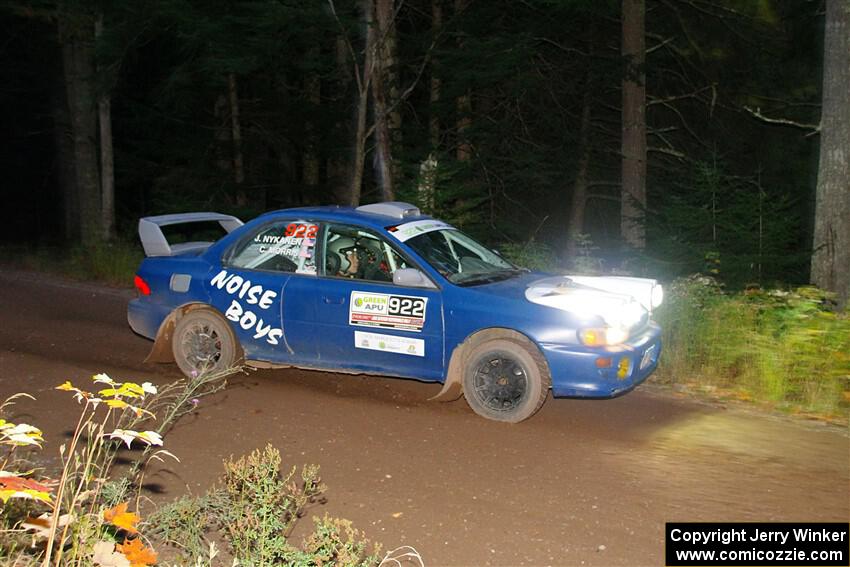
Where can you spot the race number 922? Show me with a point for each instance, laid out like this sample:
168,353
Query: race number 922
406,306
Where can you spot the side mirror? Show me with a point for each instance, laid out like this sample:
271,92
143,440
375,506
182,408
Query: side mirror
411,277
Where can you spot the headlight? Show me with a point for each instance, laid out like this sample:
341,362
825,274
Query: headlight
604,336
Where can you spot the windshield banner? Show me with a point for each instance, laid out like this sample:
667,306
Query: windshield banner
404,232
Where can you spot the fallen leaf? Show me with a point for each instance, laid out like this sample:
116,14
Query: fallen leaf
40,526
13,486
136,553
106,556
121,518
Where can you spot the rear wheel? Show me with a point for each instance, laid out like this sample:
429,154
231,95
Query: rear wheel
203,343
506,380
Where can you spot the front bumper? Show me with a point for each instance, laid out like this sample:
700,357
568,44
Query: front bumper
575,372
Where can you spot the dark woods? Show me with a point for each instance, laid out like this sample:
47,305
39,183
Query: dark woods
655,136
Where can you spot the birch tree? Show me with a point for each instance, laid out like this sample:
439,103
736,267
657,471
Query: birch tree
633,191
831,245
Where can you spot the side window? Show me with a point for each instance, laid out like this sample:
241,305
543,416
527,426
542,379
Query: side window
281,246
351,252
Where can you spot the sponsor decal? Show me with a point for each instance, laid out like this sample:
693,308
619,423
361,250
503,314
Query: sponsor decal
389,343
387,311
243,290
408,230
297,243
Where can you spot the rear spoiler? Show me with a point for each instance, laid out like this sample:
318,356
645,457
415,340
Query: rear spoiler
155,243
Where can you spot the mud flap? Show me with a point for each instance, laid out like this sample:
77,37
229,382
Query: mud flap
161,351
453,386
452,390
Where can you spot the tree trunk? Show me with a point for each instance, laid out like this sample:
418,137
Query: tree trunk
435,87
632,215
78,61
64,143
310,158
464,122
363,85
107,169
223,153
107,162
339,161
831,245
385,98
236,137
383,148
579,196
463,105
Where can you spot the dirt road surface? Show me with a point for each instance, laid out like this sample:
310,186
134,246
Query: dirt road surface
581,483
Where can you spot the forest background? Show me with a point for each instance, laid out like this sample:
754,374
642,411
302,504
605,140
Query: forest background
506,118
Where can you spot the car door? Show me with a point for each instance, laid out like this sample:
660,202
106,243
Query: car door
367,323
250,288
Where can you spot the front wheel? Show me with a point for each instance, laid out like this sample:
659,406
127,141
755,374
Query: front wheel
203,343
506,380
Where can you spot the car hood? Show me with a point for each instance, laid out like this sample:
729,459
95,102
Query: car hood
619,301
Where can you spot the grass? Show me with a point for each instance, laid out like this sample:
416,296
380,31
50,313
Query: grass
114,263
787,349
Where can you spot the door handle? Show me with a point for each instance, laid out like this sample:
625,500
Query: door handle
334,300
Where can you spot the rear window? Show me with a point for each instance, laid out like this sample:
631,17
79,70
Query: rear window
280,246
203,231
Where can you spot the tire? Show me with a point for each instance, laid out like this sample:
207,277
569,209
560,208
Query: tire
505,380
204,343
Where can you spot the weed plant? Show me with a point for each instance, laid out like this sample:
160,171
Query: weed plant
254,509
789,348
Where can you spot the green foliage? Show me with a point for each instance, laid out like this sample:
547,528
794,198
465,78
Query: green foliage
532,255
255,510
262,505
784,347
114,263
337,542
741,230
183,524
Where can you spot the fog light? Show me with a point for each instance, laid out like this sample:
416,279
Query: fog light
623,367
604,336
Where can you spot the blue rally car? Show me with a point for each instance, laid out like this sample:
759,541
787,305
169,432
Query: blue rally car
382,289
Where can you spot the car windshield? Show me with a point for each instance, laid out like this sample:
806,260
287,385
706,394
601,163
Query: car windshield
461,259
